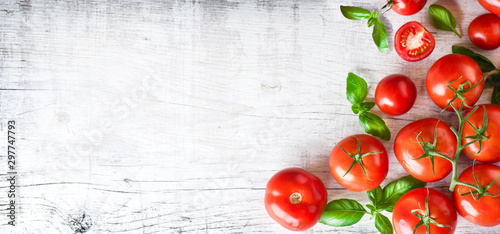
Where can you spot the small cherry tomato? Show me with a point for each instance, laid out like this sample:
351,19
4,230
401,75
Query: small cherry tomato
492,6
489,149
407,7
411,209
361,170
413,42
395,94
458,69
484,211
295,199
484,31
433,135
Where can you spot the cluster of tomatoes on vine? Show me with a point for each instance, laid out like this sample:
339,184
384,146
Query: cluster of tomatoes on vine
428,149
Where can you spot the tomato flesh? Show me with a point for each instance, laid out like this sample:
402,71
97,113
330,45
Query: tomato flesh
413,42
484,31
295,199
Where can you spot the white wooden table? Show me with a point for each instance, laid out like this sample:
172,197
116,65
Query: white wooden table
171,116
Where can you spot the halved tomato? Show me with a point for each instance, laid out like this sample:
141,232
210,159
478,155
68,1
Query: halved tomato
413,42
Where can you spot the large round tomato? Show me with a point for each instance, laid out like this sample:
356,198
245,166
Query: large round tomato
484,31
409,146
407,7
485,211
490,148
491,5
459,69
440,209
413,42
395,94
372,156
295,198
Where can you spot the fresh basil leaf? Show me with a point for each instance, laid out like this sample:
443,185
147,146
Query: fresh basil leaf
383,224
342,212
366,106
442,18
371,22
485,64
355,13
495,96
376,196
379,36
374,125
371,207
356,89
394,190
493,80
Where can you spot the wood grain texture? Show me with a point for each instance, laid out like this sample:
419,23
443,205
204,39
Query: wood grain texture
170,116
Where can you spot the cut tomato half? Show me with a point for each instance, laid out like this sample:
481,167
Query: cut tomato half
413,42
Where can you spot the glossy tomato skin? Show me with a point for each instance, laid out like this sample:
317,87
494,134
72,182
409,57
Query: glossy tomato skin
408,7
376,164
449,68
395,94
292,215
407,149
492,6
484,31
440,209
490,149
413,42
485,211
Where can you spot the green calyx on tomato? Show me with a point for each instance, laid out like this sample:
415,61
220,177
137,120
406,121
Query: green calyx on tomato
479,190
493,80
357,157
347,212
425,218
429,149
460,92
356,91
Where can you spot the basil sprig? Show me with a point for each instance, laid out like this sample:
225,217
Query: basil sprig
371,123
379,33
442,18
493,80
347,212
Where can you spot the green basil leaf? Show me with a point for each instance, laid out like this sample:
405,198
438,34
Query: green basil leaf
366,106
356,89
383,224
371,207
495,96
342,212
442,18
374,125
376,196
371,22
394,190
379,35
355,13
485,64
493,80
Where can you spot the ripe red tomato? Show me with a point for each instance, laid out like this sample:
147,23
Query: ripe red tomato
491,5
449,68
295,199
407,149
395,94
407,7
413,42
484,211
490,148
484,31
439,206
376,164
